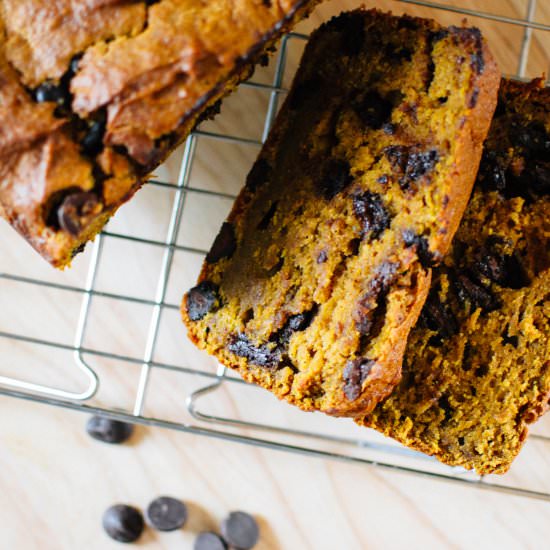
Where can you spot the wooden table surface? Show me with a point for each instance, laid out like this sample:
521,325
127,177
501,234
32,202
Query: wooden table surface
55,482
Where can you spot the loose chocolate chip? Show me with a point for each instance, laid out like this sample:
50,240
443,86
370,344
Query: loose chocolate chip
479,296
50,92
369,208
123,523
209,541
411,163
167,514
202,299
240,530
335,177
109,430
425,255
263,355
77,210
355,373
259,175
373,109
224,245
268,216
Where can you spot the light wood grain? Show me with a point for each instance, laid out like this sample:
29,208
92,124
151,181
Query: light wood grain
55,482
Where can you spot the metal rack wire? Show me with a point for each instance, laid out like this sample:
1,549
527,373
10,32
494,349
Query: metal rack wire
360,447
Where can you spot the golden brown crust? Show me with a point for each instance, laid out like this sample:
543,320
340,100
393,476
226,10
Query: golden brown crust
322,266
146,75
42,36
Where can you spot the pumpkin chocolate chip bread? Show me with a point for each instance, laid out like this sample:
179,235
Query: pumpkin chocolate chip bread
323,266
94,95
477,367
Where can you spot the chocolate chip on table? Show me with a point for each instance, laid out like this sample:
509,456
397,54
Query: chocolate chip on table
209,541
202,299
240,530
123,523
369,208
109,430
355,373
166,513
373,110
224,245
76,210
335,177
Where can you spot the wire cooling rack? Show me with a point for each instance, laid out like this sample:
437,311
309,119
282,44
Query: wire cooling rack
214,402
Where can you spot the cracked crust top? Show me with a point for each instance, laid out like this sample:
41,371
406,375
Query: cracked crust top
94,94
